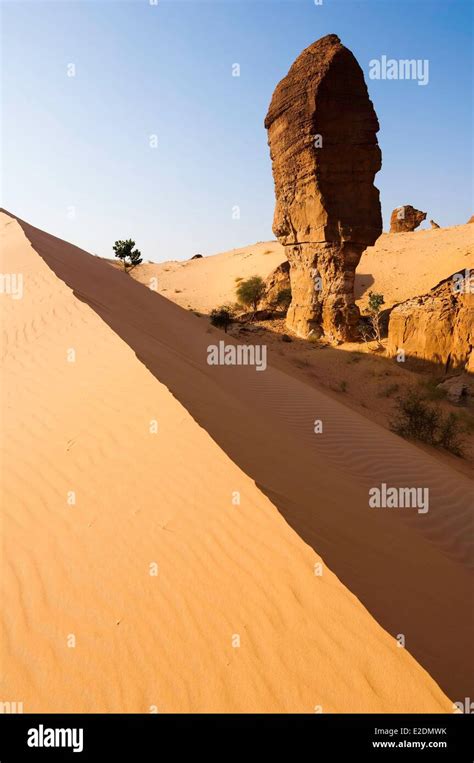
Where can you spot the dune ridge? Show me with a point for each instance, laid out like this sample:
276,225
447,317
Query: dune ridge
264,423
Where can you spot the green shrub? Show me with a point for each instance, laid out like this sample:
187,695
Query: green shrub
417,420
222,317
251,291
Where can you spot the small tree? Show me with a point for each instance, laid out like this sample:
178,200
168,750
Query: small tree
374,329
125,251
251,291
222,317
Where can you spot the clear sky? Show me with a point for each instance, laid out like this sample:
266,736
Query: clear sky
76,153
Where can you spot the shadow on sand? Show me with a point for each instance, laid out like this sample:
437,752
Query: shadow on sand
409,569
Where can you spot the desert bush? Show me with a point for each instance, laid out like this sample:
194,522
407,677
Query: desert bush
222,317
415,419
251,291
371,327
451,435
283,299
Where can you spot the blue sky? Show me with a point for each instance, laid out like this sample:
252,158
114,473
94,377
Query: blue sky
76,153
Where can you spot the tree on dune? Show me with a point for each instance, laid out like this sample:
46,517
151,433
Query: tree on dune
125,251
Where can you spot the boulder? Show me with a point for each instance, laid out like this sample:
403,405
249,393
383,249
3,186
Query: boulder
322,133
438,326
457,388
278,280
434,225
196,256
405,219
471,219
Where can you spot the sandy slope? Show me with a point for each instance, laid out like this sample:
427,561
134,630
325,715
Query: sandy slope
83,569
399,266
403,265
208,282
224,570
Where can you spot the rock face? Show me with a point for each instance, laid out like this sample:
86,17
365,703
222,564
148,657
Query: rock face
322,135
438,326
405,219
278,280
471,219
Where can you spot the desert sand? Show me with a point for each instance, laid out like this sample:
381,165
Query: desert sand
399,266
122,452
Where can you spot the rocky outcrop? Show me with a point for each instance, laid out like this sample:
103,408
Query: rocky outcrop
456,388
405,219
471,219
322,135
277,281
434,225
438,326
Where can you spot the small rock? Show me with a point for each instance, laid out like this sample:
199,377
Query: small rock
456,388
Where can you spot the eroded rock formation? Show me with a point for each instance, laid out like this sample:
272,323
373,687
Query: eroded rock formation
322,135
277,281
405,219
438,326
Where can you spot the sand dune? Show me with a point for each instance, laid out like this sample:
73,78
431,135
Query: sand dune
224,571
208,282
399,266
404,265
